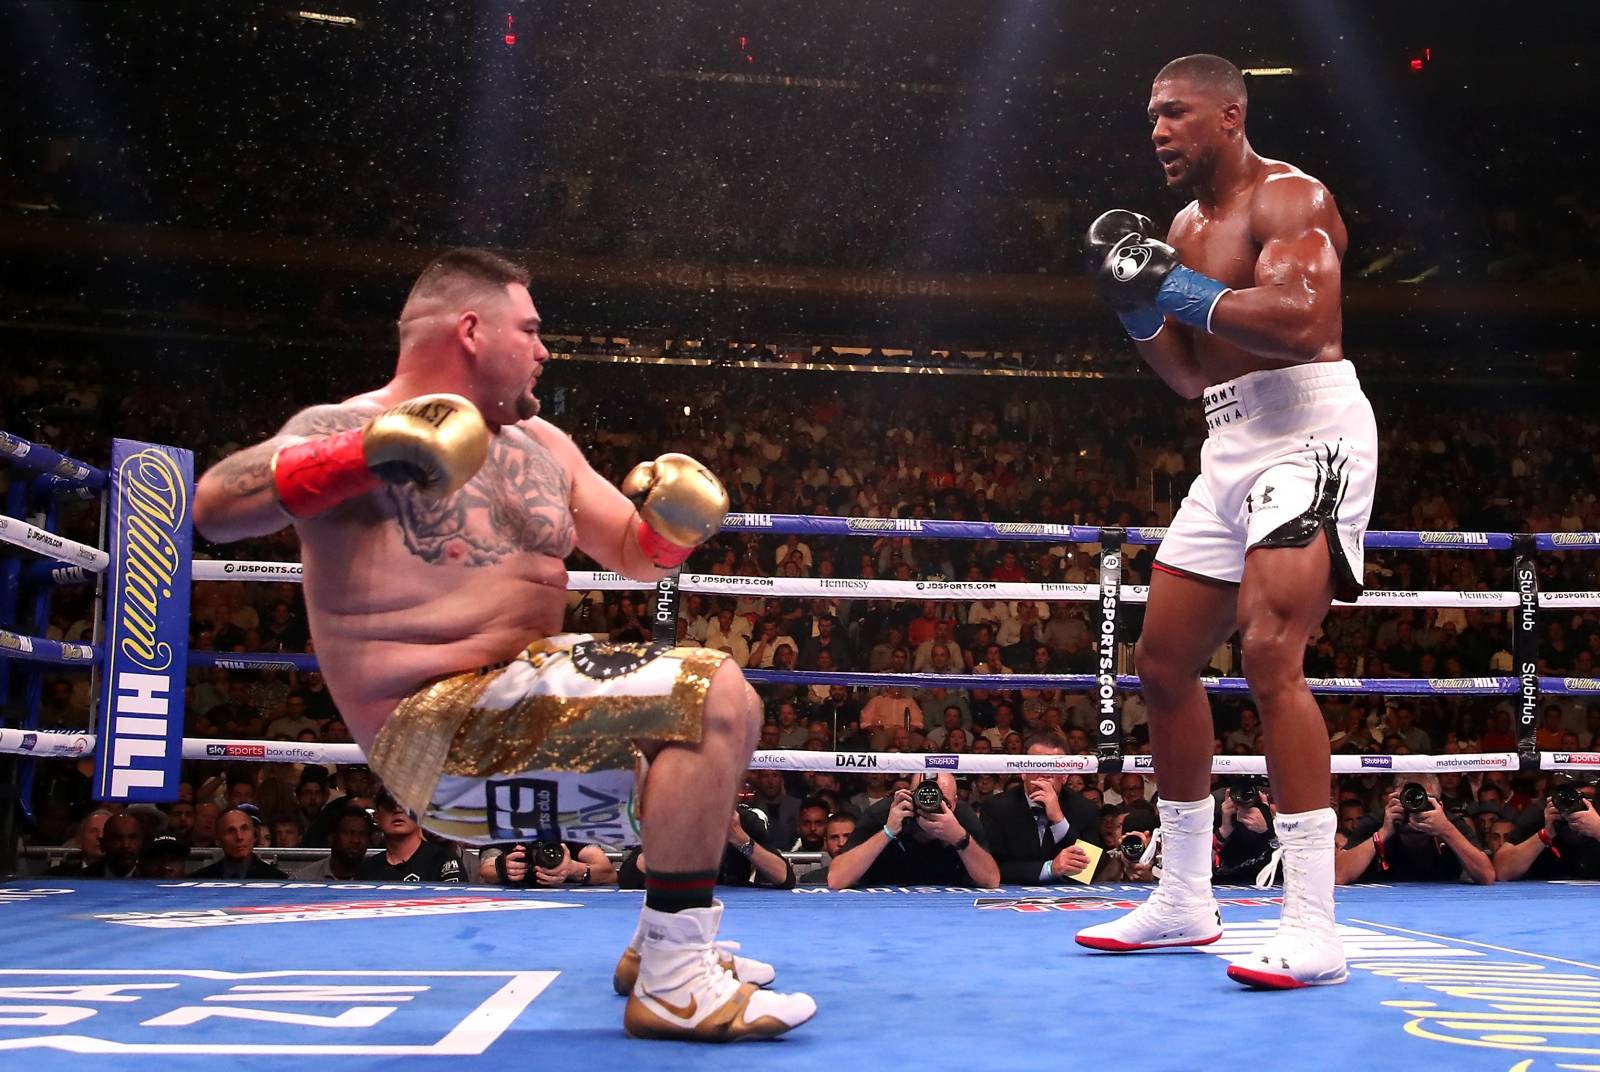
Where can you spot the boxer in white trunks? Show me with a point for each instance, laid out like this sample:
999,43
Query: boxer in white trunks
1240,307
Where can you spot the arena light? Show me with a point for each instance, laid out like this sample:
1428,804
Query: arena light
329,19
1268,72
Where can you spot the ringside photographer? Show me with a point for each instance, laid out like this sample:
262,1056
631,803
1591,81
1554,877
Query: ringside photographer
1557,837
546,863
1417,840
920,835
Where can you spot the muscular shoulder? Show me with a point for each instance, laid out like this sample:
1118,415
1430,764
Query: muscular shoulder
336,417
537,428
557,442
1183,221
1288,202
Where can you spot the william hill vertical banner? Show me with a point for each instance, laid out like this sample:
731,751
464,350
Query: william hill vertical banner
146,632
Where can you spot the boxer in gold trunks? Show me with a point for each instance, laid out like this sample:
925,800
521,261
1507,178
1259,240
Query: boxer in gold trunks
434,514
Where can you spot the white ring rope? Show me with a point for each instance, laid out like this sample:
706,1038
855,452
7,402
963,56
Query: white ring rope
940,591
55,743
19,533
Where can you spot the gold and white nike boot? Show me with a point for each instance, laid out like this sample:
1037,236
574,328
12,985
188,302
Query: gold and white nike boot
684,992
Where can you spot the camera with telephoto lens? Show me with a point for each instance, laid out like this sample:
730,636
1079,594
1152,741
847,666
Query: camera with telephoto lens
1246,793
1567,799
1414,799
545,854
927,798
1132,847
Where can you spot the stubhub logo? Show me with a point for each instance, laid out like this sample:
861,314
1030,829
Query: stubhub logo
1381,762
941,762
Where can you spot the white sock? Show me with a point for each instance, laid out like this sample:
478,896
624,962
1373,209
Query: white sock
1186,841
1308,848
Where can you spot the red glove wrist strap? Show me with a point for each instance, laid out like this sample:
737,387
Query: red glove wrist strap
660,550
319,474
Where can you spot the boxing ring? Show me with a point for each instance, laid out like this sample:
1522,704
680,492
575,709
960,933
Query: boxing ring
148,974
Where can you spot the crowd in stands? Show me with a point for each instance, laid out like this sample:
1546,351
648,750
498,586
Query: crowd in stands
916,169
1089,454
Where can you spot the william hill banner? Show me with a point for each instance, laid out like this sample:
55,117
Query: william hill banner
146,631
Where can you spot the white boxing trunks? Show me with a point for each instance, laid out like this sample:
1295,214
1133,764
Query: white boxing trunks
1290,453
542,747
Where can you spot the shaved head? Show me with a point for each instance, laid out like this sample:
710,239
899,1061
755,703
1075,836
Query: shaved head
457,281
1208,72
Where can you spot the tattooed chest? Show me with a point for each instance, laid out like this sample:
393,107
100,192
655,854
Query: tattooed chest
518,503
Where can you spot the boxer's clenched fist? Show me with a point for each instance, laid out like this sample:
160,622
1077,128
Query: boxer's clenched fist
681,505
436,442
1107,233
1109,228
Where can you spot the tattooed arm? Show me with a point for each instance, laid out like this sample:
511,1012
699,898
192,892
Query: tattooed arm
235,499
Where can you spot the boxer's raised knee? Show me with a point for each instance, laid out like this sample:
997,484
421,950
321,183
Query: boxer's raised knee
733,711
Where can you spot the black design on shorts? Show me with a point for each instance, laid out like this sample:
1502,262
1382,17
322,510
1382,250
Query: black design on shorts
1322,516
605,661
518,808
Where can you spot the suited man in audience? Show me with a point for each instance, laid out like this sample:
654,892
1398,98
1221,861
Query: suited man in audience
1034,828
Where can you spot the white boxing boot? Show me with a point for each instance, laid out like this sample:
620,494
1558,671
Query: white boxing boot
1182,910
745,969
684,992
1307,950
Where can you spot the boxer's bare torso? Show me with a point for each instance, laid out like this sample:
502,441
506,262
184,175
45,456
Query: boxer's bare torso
1225,241
402,590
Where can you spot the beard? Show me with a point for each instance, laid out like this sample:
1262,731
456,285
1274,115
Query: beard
1198,175
527,405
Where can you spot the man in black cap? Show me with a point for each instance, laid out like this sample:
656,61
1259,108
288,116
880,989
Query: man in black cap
407,855
164,857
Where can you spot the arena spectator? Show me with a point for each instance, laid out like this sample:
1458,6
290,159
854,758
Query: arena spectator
164,857
294,720
782,810
836,835
811,830
791,732
889,710
288,832
238,830
407,855
89,841
765,648
894,844
123,841
351,835
203,834
1034,828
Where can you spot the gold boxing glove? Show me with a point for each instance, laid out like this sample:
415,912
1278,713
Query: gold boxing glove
681,505
436,442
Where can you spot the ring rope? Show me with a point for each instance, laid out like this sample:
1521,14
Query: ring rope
65,473
58,744
940,591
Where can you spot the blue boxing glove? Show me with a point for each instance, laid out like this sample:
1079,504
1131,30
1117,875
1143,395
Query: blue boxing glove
1139,315
1140,269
